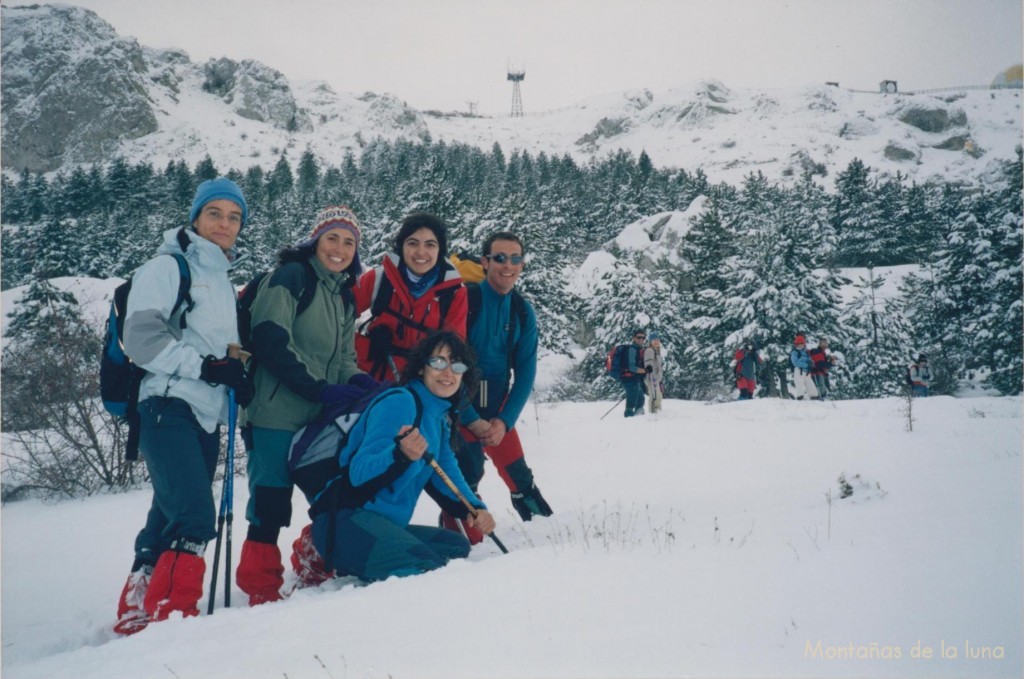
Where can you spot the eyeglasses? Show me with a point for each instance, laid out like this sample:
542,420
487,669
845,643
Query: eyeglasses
439,363
639,336
501,258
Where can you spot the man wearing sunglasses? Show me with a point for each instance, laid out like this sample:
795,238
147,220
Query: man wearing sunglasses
502,328
633,375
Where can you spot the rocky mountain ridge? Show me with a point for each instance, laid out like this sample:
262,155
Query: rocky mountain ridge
74,91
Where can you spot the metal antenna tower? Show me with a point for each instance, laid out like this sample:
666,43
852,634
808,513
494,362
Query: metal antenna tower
516,77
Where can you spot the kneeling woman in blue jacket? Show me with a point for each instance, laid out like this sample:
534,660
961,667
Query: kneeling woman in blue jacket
384,472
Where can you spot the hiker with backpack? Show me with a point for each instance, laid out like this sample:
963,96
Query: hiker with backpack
361,517
415,290
800,360
822,361
745,364
920,376
632,373
302,326
182,399
502,329
653,372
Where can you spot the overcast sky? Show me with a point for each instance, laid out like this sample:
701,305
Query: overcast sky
441,54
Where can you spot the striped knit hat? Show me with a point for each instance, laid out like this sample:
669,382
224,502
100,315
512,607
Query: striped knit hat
335,217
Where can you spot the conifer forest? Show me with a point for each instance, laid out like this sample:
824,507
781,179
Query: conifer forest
763,260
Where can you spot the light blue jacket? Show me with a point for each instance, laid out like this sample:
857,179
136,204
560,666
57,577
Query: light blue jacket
173,357
800,359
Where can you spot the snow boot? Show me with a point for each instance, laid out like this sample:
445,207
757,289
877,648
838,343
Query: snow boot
307,563
131,614
530,503
177,581
260,573
471,533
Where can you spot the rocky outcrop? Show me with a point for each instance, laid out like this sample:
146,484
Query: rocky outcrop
389,114
71,88
256,92
932,119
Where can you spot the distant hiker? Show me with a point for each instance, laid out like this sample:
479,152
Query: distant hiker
502,329
302,362
414,291
384,473
920,376
633,373
654,373
182,401
803,384
745,363
821,361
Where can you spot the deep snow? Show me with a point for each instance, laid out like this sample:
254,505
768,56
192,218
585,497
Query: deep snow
697,542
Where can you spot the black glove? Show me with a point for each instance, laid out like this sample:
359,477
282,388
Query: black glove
232,374
227,371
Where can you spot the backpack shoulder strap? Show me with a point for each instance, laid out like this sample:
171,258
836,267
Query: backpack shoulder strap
308,289
474,298
184,289
382,290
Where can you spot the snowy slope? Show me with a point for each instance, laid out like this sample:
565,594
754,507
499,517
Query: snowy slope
697,542
775,132
255,115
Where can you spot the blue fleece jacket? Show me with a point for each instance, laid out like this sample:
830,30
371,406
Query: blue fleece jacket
489,337
372,454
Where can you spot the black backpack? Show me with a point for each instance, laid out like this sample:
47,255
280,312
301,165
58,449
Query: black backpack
120,378
247,296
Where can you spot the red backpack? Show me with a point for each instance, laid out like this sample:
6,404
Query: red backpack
616,361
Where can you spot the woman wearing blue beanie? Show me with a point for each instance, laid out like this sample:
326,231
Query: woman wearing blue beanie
182,400
220,188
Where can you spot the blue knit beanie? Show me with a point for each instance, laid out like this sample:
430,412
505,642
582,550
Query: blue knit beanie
220,188
653,336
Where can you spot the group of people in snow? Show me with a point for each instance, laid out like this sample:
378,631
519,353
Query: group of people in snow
464,357
811,370
641,374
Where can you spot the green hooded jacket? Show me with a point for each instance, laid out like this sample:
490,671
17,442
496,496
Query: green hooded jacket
297,356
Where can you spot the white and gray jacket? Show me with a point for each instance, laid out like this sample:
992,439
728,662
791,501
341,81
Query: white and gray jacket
173,356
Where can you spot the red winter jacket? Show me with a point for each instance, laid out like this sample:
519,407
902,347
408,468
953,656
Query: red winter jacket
820,361
404,321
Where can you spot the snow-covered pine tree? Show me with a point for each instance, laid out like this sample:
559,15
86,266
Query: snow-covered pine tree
877,349
1000,323
61,442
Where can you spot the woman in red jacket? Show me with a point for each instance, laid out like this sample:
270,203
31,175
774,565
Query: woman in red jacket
413,292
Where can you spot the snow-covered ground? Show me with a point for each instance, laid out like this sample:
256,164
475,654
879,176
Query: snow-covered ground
707,540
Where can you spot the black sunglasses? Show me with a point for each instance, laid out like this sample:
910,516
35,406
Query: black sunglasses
439,363
501,258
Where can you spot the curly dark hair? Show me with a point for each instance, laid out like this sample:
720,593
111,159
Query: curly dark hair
459,350
423,220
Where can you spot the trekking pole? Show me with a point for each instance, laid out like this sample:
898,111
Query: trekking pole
227,497
229,481
613,407
536,414
462,498
226,511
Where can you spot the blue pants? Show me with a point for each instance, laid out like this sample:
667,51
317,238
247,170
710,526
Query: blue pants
634,395
373,547
919,390
181,458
